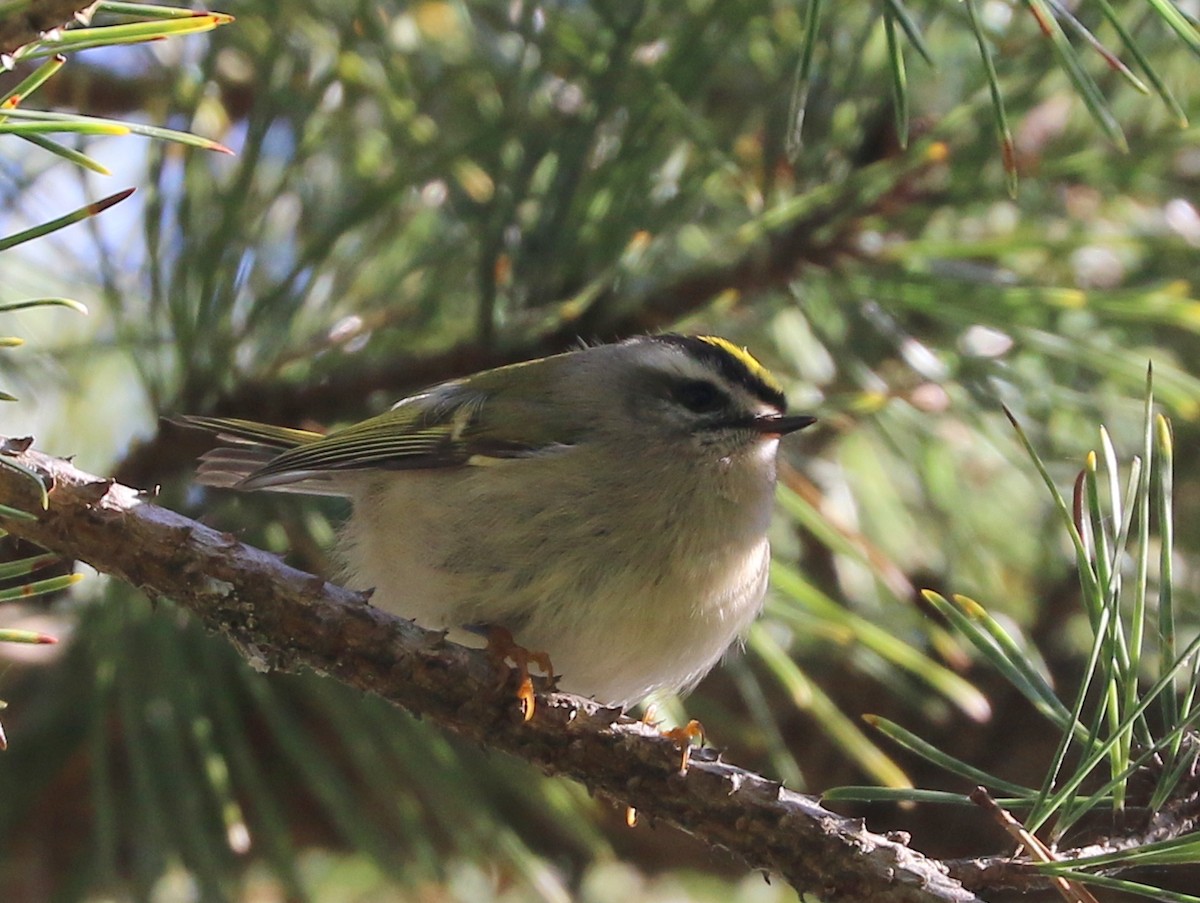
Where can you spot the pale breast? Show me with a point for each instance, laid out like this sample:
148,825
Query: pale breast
630,586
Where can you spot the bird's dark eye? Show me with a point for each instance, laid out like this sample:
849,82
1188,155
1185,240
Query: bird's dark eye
698,396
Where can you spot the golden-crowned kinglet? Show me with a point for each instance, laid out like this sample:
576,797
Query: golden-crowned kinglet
608,506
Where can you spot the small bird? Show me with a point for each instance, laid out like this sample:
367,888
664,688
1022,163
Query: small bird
607,506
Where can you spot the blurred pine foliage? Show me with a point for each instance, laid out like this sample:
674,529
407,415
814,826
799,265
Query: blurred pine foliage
420,190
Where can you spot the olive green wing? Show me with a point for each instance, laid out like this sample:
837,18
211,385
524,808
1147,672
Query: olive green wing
444,428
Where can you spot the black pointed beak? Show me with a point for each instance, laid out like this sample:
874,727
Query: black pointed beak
781,424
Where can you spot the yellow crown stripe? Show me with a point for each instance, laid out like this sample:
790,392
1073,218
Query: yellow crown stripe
746,359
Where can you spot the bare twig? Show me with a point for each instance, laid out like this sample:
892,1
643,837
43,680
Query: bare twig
281,618
1070,891
21,26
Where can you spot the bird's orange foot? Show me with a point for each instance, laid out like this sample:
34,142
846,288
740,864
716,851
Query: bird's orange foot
504,649
683,737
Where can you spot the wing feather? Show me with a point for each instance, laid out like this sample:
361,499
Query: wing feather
441,428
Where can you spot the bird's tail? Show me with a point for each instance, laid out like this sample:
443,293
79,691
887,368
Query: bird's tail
247,448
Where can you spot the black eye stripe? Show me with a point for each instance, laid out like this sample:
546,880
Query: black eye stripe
699,395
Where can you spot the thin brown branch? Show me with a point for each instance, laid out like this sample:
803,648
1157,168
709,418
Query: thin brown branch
1017,872
1070,891
22,26
281,618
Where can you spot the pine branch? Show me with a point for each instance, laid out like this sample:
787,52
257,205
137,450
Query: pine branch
283,619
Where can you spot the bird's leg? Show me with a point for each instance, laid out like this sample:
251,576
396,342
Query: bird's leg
682,736
504,649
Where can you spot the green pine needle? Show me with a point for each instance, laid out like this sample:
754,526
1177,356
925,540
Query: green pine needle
54,225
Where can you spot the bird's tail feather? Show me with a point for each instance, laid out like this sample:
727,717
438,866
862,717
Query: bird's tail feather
250,446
